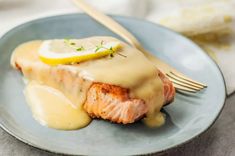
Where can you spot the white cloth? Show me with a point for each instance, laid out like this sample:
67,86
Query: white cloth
190,17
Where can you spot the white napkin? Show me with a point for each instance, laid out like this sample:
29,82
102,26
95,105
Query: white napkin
205,19
166,12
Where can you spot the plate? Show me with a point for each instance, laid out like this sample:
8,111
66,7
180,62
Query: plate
187,117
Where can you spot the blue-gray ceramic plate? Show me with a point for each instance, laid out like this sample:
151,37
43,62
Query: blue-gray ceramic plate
187,117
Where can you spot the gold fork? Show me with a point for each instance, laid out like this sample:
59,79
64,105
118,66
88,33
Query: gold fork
180,81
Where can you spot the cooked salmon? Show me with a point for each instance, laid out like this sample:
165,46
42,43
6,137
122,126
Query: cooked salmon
108,101
114,103
102,100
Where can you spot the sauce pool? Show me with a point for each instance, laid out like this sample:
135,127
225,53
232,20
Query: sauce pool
51,108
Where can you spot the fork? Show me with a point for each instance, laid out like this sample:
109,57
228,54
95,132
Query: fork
180,81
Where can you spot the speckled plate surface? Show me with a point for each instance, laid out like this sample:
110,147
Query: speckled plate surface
187,117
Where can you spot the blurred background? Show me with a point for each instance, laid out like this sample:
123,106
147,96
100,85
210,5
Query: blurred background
207,22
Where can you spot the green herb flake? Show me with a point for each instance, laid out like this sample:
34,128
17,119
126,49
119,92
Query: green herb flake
80,48
121,55
97,48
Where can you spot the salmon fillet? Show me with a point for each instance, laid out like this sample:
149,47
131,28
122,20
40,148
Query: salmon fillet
113,102
108,101
104,101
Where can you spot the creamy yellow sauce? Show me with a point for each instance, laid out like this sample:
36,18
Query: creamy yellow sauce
134,72
51,108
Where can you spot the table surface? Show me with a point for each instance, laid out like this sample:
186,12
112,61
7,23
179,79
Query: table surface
219,140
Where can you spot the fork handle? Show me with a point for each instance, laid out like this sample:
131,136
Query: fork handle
118,29
109,22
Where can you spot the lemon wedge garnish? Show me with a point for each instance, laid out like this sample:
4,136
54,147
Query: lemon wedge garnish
68,54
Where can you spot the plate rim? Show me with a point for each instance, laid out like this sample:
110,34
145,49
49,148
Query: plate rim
3,127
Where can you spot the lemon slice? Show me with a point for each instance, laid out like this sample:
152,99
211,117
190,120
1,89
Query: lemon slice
61,53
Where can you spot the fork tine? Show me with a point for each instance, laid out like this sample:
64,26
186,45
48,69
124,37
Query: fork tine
184,84
179,80
184,88
188,80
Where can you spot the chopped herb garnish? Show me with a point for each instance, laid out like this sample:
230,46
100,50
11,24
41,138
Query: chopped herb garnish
121,55
98,47
80,48
73,45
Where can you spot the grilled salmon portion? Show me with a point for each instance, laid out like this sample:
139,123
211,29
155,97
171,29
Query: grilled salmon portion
104,100
101,100
113,102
